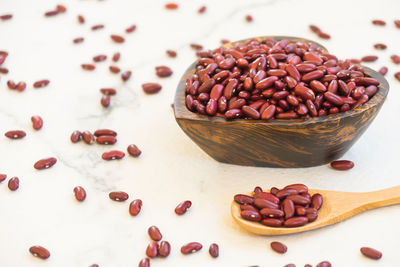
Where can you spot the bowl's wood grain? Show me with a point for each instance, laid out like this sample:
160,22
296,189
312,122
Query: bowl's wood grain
278,143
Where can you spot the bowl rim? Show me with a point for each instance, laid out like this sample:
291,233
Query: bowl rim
181,111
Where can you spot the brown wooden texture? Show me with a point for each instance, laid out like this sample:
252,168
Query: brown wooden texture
278,143
337,206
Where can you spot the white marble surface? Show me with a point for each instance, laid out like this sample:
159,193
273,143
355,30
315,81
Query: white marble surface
172,168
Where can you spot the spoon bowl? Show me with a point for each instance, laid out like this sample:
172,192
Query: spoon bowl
337,206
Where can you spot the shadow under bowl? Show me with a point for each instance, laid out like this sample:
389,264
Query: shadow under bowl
278,143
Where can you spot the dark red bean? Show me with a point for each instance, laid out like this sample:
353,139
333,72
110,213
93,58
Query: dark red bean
191,247
6,17
272,213
251,112
251,215
163,71
88,137
315,29
152,250
76,136
278,247
51,13
395,59
118,196
383,70
80,193
249,18
296,221
37,122
117,38
151,88
304,92
41,83
81,19
116,56
171,53
101,132
324,264
45,163
164,249
99,58
369,58
286,192
316,201
106,140
214,250
88,66
126,75
97,27
342,165
13,183
397,75
299,200
135,207
379,22
108,91
267,196
371,253
288,208
324,35
380,46
272,222
113,154
134,151
333,98
114,69
144,262
40,252
3,70
263,203
130,29
196,46
105,101
78,40
183,207
2,177
16,134
313,75
171,6
154,233
397,23
243,199
61,8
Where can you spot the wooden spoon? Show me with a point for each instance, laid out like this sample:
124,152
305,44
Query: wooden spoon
337,206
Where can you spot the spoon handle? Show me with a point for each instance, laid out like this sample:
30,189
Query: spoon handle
380,198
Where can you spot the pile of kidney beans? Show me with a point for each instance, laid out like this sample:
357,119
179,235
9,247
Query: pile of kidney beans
271,79
291,206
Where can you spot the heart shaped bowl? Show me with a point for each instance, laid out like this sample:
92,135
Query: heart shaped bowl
278,143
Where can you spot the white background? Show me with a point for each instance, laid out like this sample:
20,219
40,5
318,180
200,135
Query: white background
172,168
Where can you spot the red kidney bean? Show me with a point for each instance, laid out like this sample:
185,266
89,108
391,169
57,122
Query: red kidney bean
324,35
266,83
154,233
151,88
16,134
315,29
13,183
196,46
51,13
108,91
164,249
272,222
395,59
380,46
106,140
300,210
342,165
304,92
113,154
2,177
88,66
80,193
116,56
248,207
81,19
296,221
101,132
135,207
316,201
6,17
45,163
397,75
278,247
264,203
163,71
99,58
214,250
76,136
243,199
378,22
183,207
249,18
286,192
41,83
40,252
105,101
4,70
287,115
119,196
114,69
371,253
191,247
383,70
134,151
152,250
267,196
117,38
251,112
97,27
78,40
324,264
171,53
369,58
251,215
288,208
144,262
313,75
272,213
87,137
126,75
312,217
171,6
397,23
268,112
333,98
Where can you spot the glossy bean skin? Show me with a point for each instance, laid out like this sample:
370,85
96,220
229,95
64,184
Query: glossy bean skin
371,253
13,183
15,134
214,250
251,215
113,155
154,233
45,163
119,196
278,247
183,207
191,247
144,262
40,252
80,193
135,207
37,122
342,165
164,249
152,250
296,221
316,201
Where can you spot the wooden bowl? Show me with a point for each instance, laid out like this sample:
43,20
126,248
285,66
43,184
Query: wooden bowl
278,143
